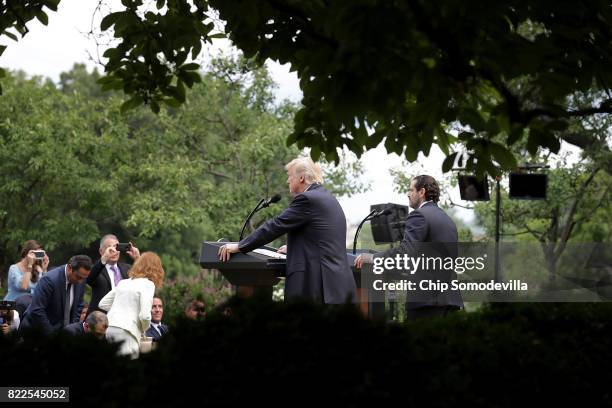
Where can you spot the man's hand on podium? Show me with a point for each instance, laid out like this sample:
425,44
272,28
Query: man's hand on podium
358,262
226,251
282,250
363,258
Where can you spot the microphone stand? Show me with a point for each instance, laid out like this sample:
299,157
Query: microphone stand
249,217
369,217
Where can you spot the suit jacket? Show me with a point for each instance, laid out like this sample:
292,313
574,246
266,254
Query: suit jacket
76,329
47,308
129,305
152,332
317,266
433,227
100,283
22,303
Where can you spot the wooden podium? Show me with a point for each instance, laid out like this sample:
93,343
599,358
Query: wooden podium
253,273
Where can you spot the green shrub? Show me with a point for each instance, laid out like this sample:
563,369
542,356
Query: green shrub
177,293
302,354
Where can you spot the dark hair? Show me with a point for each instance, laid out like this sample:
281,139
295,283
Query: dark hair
80,261
196,305
432,190
29,245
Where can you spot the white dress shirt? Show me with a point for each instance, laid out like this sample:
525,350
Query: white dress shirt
111,274
71,287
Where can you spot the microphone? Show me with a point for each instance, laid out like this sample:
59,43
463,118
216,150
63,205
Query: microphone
271,200
263,203
386,211
371,215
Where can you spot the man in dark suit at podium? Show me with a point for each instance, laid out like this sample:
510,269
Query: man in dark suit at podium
431,231
317,266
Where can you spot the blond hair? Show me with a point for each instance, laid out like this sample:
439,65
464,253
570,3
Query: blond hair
305,166
149,266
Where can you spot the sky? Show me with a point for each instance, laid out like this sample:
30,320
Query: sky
49,50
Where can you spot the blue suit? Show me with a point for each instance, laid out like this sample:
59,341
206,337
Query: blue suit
46,311
152,332
317,266
76,329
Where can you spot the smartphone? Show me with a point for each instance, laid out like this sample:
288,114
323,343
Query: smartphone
124,247
39,254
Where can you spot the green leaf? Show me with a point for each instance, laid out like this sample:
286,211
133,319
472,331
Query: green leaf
42,17
315,153
51,4
190,67
466,136
189,77
109,20
155,107
132,103
449,162
218,35
503,156
291,139
171,102
2,48
10,35
160,3
470,117
180,88
558,125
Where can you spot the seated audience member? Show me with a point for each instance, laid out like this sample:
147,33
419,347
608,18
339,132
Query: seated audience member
157,328
9,321
96,323
84,312
22,303
195,310
58,300
24,275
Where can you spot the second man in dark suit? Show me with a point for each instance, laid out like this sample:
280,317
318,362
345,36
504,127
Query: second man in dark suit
58,298
428,231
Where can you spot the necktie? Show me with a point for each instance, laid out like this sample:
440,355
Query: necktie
116,273
67,305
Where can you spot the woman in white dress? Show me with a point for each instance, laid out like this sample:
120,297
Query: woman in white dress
129,304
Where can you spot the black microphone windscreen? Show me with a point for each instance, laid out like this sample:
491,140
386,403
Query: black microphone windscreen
386,212
275,198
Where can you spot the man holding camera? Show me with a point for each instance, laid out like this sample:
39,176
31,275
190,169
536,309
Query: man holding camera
107,272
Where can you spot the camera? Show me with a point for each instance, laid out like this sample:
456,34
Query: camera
39,254
123,247
6,311
7,305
